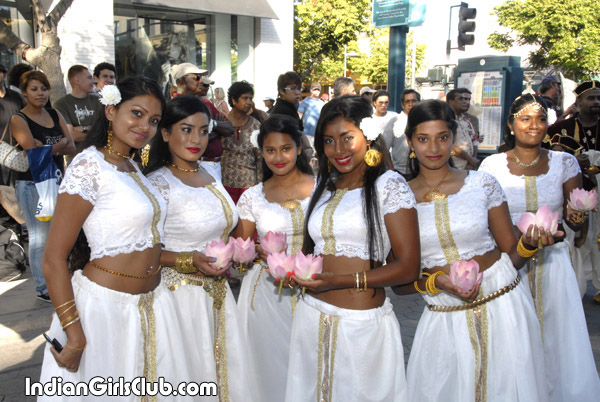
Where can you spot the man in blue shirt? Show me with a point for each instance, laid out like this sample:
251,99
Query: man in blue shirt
310,110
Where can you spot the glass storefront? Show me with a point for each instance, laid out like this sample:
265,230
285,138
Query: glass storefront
149,41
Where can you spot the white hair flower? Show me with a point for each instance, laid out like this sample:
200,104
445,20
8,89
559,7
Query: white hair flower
211,125
254,138
370,128
110,95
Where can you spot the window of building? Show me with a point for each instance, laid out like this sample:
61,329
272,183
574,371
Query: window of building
150,40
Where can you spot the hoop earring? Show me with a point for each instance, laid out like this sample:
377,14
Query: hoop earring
372,157
452,153
412,154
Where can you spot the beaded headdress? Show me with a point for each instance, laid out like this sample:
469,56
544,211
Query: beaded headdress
535,106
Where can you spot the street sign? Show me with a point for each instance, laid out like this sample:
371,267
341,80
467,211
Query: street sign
388,13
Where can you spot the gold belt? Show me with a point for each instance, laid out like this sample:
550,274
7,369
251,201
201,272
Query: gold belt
478,302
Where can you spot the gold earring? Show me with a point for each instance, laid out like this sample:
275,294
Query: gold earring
328,167
372,157
110,136
412,154
452,153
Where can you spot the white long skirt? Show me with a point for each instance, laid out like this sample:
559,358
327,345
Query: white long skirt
127,335
570,365
345,355
493,353
210,327
266,320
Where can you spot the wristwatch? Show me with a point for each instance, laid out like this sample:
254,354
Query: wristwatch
85,129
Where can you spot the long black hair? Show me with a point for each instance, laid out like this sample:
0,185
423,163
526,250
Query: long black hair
281,123
352,108
178,109
517,105
129,88
422,112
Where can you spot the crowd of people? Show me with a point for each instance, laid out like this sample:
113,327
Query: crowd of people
152,186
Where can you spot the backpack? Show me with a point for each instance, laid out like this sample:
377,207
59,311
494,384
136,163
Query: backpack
13,260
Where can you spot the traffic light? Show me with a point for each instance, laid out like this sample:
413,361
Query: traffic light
465,25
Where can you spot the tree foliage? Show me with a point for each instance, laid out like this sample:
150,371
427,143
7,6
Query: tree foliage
564,33
47,55
323,27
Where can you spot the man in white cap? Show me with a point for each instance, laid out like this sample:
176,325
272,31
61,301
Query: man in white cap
188,78
269,103
367,93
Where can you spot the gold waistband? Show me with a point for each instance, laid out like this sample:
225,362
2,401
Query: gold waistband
478,302
110,271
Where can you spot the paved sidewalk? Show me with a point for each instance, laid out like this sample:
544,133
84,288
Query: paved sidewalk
23,318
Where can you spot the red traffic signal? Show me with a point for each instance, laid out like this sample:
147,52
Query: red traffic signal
465,25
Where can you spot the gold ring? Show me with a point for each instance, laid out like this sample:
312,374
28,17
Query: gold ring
577,219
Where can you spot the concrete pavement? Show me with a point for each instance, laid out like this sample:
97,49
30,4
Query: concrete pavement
23,318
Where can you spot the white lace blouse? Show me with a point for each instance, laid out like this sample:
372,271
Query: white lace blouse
128,213
338,226
456,228
195,215
528,193
271,216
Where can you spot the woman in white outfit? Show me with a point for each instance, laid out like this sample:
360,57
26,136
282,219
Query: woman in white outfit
277,205
199,211
346,343
531,178
115,318
482,343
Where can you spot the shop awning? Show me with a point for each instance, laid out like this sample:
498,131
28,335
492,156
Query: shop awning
251,8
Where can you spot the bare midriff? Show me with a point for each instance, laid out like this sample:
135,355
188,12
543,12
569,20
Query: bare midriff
350,298
485,261
136,263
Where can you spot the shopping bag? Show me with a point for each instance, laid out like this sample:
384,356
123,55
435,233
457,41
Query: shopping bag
47,177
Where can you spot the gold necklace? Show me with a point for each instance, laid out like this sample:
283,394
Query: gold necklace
291,203
434,193
184,169
526,165
112,151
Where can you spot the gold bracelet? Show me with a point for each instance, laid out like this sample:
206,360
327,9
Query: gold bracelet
184,263
65,303
430,284
65,310
76,314
523,252
416,283
74,348
365,278
356,275
70,323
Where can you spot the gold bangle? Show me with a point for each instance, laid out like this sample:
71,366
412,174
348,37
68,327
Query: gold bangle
69,318
74,348
365,278
185,263
70,323
356,275
65,310
64,304
430,284
416,283
523,252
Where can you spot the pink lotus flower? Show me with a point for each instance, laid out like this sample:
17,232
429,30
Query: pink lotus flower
274,242
307,265
582,200
221,251
280,264
543,218
465,274
243,250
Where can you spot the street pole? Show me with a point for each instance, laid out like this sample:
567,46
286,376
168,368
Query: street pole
414,63
345,53
397,65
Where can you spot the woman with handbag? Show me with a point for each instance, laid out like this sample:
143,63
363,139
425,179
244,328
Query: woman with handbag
35,126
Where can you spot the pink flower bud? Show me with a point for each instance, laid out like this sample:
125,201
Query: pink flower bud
280,264
582,200
274,242
527,219
545,219
221,251
308,265
243,250
465,274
